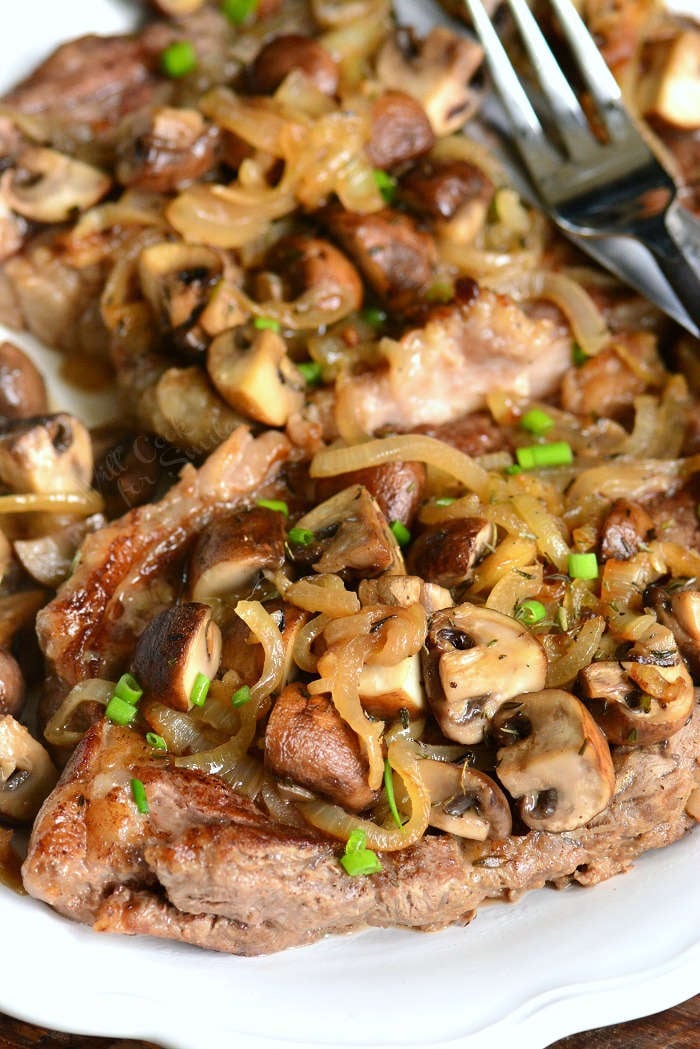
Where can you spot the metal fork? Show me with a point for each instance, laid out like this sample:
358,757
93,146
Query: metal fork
591,188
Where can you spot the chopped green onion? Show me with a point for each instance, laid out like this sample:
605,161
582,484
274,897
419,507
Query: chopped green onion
266,324
156,741
537,456
536,421
390,796
578,356
386,184
583,566
302,536
530,612
357,859
278,505
440,291
120,711
139,792
199,691
373,316
513,469
241,696
178,59
238,11
356,842
445,500
401,533
311,370
128,688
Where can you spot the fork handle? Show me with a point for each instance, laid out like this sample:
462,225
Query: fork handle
674,241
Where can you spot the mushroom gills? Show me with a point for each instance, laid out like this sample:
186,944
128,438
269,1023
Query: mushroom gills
465,801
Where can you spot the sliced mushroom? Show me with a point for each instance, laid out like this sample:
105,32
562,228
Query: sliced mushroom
47,186
397,487
351,536
437,73
399,130
242,652
52,453
176,646
22,389
318,276
465,802
308,742
680,612
446,553
475,659
261,382
293,51
184,408
232,551
177,280
385,691
48,558
555,758
12,688
166,150
404,591
670,87
27,775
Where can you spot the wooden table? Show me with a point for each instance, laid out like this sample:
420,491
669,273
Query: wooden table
677,1028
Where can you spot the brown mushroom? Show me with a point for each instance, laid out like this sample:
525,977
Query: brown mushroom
680,612
47,186
283,54
177,280
441,188
436,72
447,552
48,558
386,691
233,550
176,646
554,757
165,150
12,688
399,130
318,276
186,410
351,537
474,661
261,381
52,453
27,774
404,591
398,487
625,531
307,742
22,389
465,802
670,87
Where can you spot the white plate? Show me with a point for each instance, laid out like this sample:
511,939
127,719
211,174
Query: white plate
553,964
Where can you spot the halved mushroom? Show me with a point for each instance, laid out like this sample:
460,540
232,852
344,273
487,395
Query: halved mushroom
436,72
27,774
48,558
399,130
52,453
22,389
176,646
166,149
177,280
385,691
670,88
464,801
398,487
261,382
47,186
555,758
351,536
475,659
12,688
233,550
680,612
404,591
308,742
282,54
447,552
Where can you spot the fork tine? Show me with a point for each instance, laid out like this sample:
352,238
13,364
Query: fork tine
528,133
570,119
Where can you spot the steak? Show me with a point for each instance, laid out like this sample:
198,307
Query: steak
208,867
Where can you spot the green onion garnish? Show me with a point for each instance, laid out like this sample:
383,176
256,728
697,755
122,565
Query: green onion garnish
301,536
537,456
311,370
390,796
156,741
357,858
128,688
266,324
530,612
241,696
120,711
178,59
578,356
239,10
401,533
445,500
583,566
199,691
386,184
440,291
513,469
536,421
139,792
373,316
278,505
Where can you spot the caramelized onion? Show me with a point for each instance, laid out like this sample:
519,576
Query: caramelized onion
82,504
563,669
95,690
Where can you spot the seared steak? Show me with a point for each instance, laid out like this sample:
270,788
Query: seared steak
207,867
